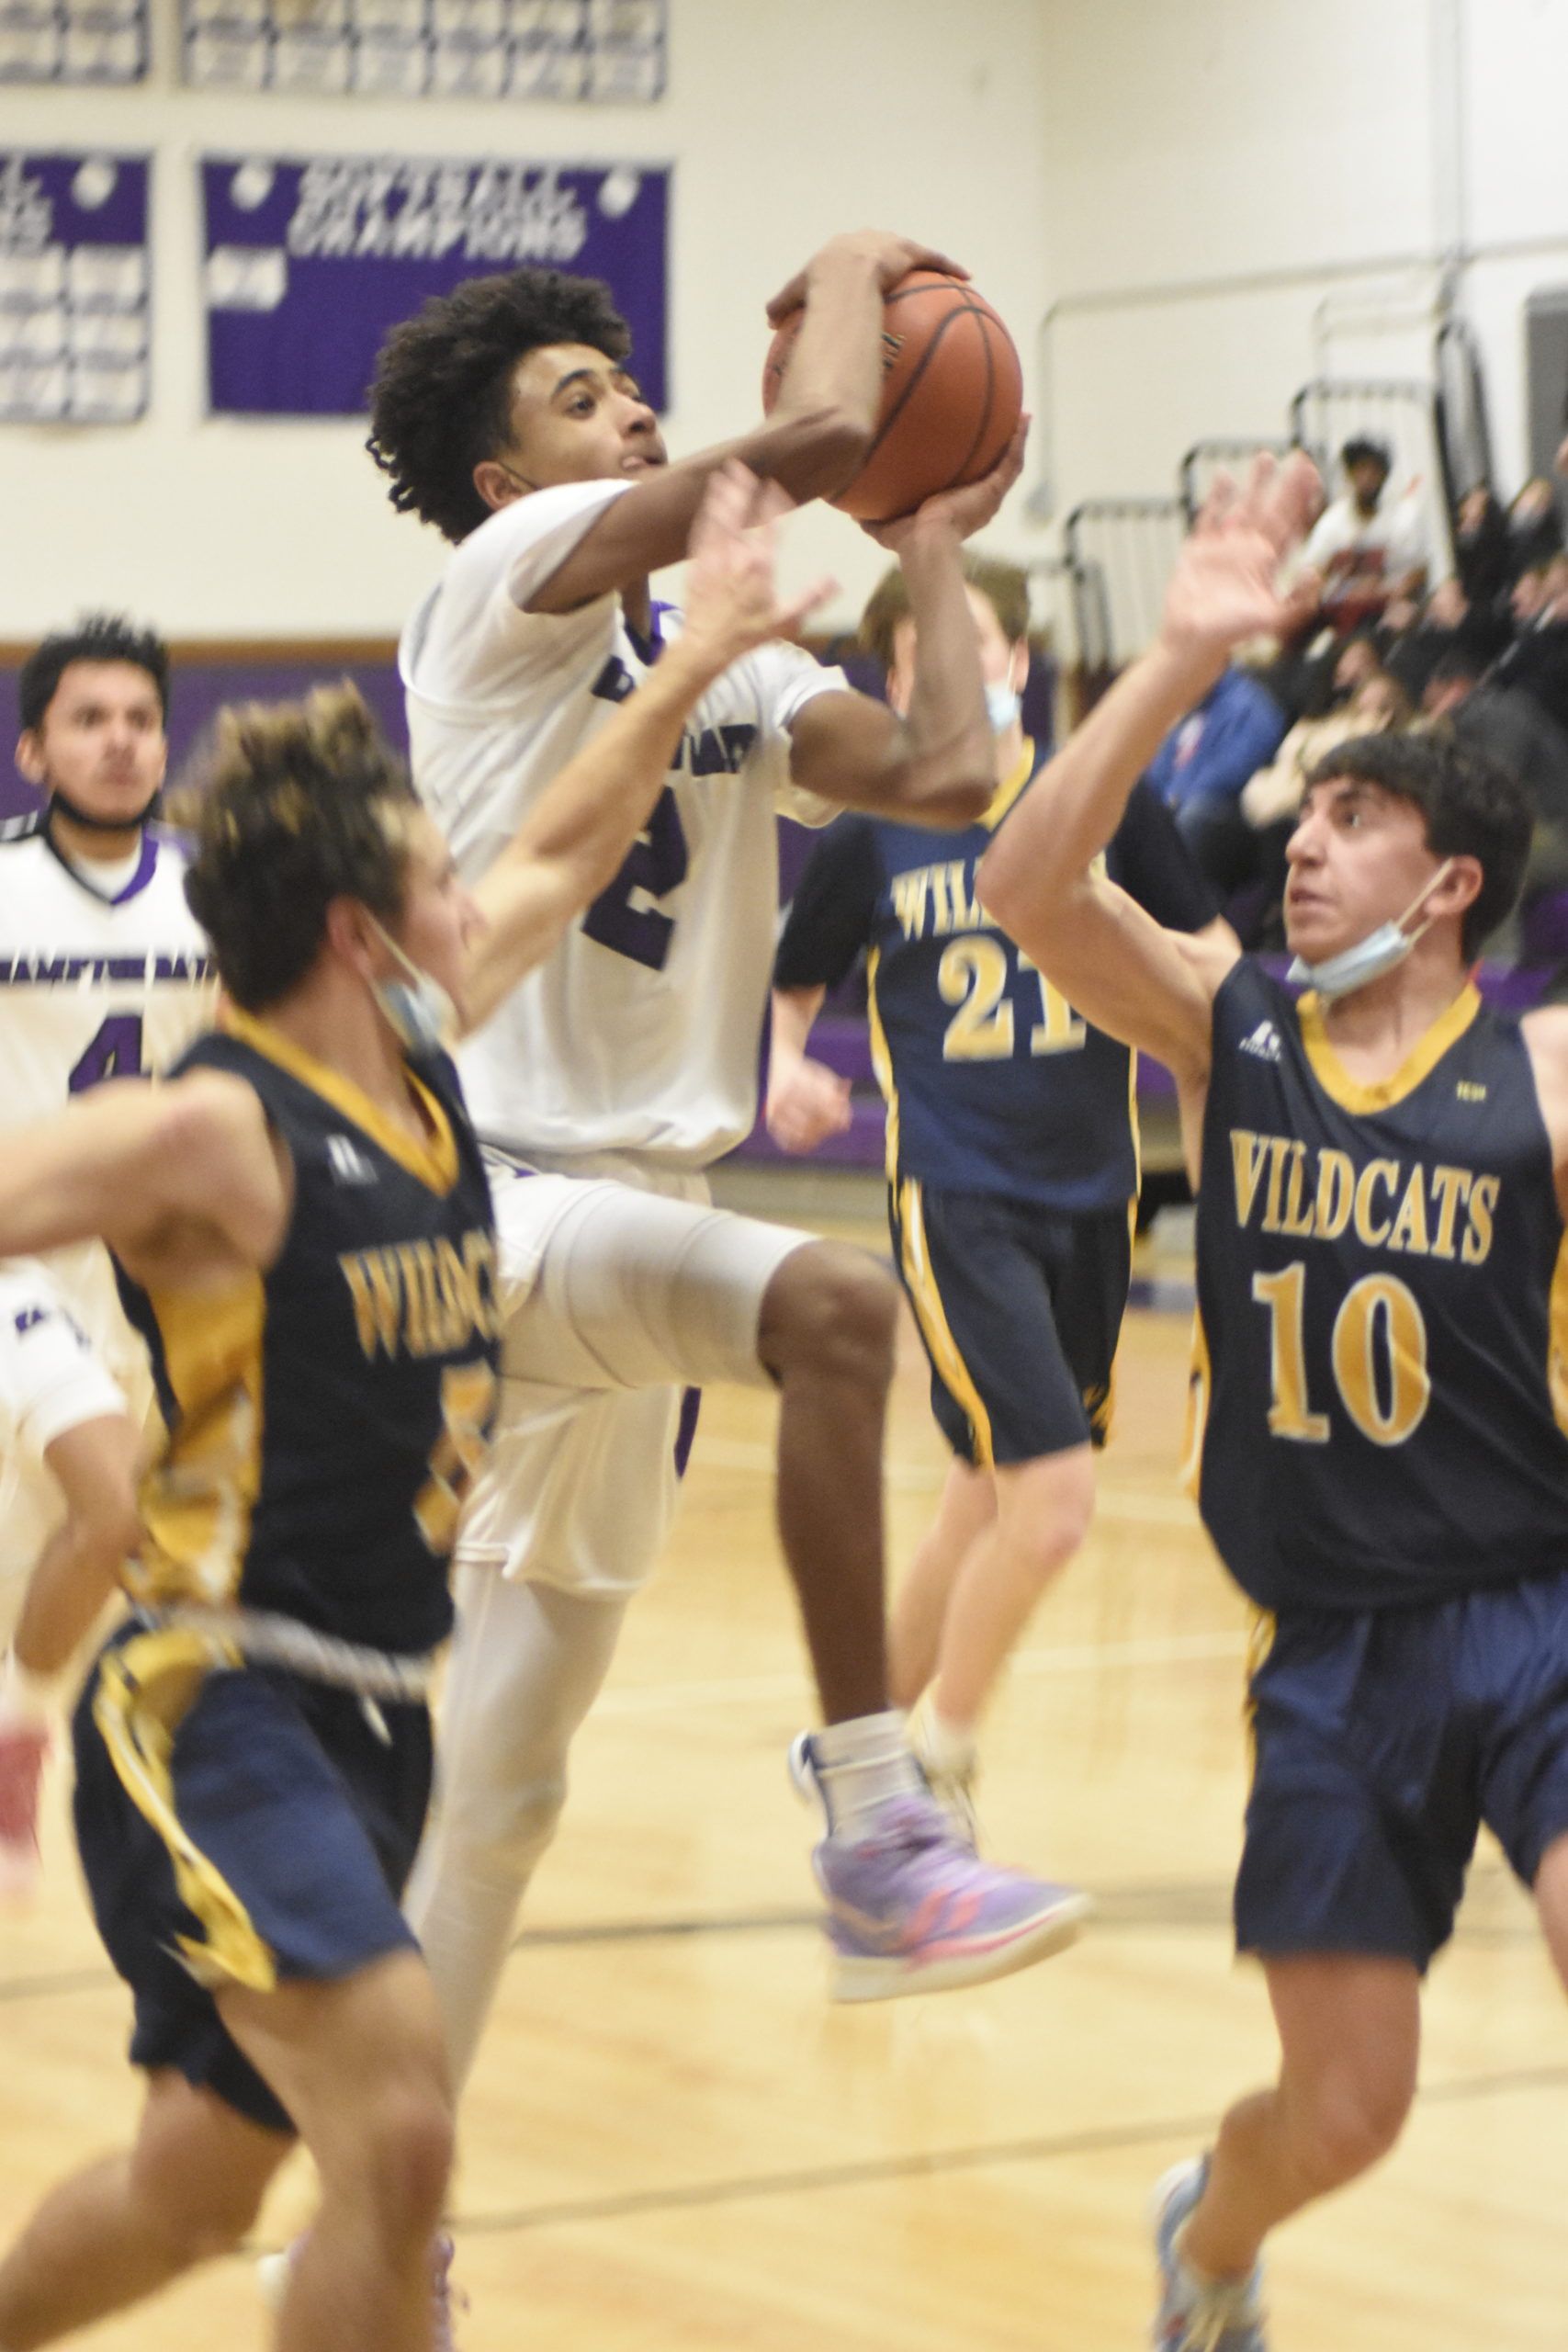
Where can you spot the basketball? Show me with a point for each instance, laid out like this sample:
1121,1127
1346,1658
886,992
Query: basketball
952,393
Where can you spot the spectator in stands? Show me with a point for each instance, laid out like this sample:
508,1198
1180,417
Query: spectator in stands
1200,767
1511,728
1366,552
1538,658
1450,622
1535,530
1480,547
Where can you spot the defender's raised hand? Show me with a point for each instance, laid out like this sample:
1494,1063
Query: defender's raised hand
1225,587
732,600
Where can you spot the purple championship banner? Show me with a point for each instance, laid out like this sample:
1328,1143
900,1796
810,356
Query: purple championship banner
74,275
307,264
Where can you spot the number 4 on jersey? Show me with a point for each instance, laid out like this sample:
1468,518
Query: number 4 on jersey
115,1052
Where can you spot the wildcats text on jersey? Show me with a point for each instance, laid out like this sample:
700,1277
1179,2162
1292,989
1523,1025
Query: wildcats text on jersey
1316,1193
423,1298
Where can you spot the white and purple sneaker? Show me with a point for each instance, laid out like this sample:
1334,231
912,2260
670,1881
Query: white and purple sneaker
1199,2315
912,1909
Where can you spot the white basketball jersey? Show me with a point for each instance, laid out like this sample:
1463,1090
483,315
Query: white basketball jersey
49,1382
642,1031
93,987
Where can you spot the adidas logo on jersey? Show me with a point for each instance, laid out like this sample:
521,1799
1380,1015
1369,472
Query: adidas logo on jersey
1263,1043
348,1163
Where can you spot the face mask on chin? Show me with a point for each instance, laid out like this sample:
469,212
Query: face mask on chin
422,1013
1370,958
91,824
1002,705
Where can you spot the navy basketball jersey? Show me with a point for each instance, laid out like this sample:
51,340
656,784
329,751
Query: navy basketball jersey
325,1417
1381,1293
993,1083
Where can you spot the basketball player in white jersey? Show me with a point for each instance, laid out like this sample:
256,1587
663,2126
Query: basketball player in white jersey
505,415
104,970
104,973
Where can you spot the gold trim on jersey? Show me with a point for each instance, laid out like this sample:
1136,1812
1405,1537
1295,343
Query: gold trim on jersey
1008,791
931,1317
197,1496
1557,1337
435,1163
145,1690
1199,1377
1355,1094
1260,1640
882,1064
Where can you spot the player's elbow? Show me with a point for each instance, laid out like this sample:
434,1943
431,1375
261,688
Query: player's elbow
1010,887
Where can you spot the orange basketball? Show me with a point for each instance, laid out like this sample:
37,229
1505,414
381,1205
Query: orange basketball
952,393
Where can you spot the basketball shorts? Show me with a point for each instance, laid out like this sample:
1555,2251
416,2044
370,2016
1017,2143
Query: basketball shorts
238,1827
621,1289
1383,1741
1020,1308
51,1382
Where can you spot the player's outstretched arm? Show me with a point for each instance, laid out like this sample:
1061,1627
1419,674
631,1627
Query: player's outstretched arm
937,764
94,1466
1118,968
573,842
812,443
180,1179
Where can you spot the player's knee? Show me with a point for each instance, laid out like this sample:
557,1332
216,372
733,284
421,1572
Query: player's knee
830,1311
402,2151
1046,1508
1345,2127
502,1836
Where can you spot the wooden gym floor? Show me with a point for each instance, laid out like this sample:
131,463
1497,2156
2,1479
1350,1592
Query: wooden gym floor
673,2143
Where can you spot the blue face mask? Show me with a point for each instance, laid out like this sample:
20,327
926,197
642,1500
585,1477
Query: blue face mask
421,1014
1370,958
1002,705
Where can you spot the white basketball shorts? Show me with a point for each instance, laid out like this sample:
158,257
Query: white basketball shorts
51,1381
620,1289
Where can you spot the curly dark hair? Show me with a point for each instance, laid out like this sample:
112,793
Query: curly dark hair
98,637
297,804
440,402
1472,808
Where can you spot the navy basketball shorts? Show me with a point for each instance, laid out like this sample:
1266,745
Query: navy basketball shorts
238,1827
1020,1307
1384,1740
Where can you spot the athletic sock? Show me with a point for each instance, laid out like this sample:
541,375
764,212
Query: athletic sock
862,1766
947,1748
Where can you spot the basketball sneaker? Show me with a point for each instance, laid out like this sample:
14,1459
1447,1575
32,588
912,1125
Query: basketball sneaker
272,2278
912,1909
23,1748
1215,2315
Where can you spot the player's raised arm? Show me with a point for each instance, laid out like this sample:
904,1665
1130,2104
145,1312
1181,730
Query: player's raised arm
935,766
1117,966
179,1178
812,443
576,835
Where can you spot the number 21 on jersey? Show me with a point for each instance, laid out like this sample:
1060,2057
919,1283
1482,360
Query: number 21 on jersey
973,974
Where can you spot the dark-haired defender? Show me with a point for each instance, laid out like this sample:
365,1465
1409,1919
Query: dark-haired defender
1383,1178
505,415
104,973
301,1219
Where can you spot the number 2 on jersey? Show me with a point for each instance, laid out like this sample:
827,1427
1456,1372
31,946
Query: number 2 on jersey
973,975
654,866
1378,1317
115,1052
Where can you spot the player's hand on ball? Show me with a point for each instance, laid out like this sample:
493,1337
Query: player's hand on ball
732,600
806,1102
891,257
963,510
